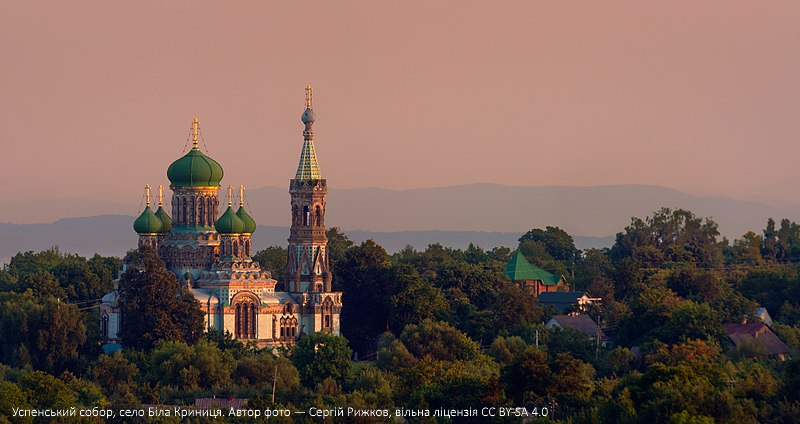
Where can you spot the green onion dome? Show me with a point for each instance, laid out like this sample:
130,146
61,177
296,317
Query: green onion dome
229,223
249,223
147,222
194,169
166,221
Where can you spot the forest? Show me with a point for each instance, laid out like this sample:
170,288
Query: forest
439,328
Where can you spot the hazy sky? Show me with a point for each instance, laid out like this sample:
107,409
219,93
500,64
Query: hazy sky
96,97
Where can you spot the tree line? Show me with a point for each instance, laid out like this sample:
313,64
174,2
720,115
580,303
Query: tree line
440,327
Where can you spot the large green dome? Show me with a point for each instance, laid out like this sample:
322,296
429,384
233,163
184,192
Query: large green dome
166,221
147,222
194,169
249,223
229,223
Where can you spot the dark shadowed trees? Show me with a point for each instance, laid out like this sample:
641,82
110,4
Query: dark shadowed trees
153,305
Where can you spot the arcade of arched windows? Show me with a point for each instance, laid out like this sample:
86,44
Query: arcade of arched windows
288,328
308,216
246,317
236,247
194,210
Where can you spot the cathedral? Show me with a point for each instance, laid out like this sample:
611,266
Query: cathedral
210,253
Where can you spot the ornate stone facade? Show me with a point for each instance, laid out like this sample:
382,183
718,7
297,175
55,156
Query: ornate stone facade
212,256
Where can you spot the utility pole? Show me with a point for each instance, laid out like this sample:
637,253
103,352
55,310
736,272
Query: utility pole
274,382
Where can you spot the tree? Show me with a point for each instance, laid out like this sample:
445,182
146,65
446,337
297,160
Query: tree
673,235
320,356
416,299
273,259
439,340
44,333
556,243
338,243
367,294
202,365
153,305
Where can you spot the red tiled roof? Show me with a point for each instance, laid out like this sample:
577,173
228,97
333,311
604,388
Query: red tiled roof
759,333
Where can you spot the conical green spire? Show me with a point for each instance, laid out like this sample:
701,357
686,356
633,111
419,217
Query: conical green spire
308,168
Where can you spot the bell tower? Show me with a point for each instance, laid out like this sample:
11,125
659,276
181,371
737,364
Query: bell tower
307,268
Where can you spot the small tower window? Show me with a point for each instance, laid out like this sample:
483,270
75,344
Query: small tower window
318,218
306,215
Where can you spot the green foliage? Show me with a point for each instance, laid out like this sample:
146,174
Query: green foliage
261,370
572,341
367,292
202,365
439,340
552,241
153,305
320,356
415,301
45,333
669,236
338,243
79,279
11,396
273,259
113,372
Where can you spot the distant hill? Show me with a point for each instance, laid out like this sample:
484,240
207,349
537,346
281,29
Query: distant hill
113,235
486,214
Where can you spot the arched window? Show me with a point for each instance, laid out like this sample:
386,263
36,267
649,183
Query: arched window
318,218
184,214
201,212
327,315
210,211
246,317
192,212
306,215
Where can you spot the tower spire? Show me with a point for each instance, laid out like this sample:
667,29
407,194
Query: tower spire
195,125
308,168
147,193
160,195
241,195
230,195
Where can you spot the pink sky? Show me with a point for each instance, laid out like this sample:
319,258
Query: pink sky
96,97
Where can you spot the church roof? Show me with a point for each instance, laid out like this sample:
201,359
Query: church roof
518,269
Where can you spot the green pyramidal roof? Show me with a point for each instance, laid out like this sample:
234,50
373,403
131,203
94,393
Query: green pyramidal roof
518,268
308,169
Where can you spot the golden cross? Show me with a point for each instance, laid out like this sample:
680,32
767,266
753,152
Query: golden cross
195,124
308,97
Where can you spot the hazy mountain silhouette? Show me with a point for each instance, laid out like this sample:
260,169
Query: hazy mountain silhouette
486,214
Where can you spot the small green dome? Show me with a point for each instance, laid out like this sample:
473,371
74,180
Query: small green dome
166,221
229,223
147,222
249,223
194,169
